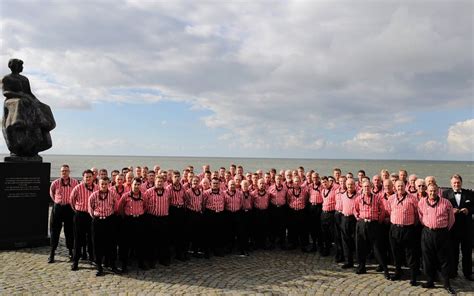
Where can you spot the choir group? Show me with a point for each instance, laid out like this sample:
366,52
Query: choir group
154,215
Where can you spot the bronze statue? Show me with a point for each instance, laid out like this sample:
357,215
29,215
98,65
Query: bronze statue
26,121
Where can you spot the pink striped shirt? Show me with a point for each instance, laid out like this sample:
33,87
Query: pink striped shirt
403,210
102,204
156,202
233,200
60,190
348,202
329,199
132,206
247,202
297,198
119,190
339,193
177,195
80,197
261,200
435,215
214,201
145,186
315,196
384,199
370,208
278,194
194,199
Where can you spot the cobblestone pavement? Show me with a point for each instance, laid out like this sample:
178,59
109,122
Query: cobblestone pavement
26,271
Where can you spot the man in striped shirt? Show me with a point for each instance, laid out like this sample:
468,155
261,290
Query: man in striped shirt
157,209
327,215
261,200
132,208
277,211
403,211
214,203
369,212
246,219
176,193
194,217
102,204
82,220
348,222
233,205
315,208
60,192
340,191
297,227
437,216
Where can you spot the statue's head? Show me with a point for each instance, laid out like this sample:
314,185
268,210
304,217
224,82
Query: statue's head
15,65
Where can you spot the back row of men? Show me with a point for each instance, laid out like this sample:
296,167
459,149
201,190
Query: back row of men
214,212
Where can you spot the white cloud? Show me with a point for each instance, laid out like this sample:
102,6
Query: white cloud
432,147
461,138
284,74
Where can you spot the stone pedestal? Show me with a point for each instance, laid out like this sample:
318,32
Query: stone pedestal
24,204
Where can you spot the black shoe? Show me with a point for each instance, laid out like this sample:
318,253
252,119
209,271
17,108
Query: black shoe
207,255
469,278
427,285
100,273
386,275
74,267
115,270
379,269
347,266
142,266
413,283
247,253
450,290
361,271
396,277
51,259
124,269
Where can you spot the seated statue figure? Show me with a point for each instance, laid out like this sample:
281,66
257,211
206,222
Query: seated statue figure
26,121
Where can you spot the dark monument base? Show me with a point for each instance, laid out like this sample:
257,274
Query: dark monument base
24,204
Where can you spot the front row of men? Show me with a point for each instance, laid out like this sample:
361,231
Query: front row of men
147,222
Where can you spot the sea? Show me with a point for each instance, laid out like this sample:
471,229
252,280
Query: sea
441,170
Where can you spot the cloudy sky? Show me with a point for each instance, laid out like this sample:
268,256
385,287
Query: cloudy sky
304,79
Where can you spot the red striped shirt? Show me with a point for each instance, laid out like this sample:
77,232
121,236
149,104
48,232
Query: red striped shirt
233,200
261,200
214,201
80,197
156,202
60,190
247,202
315,196
145,186
132,206
177,195
339,193
348,201
437,214
329,199
194,199
102,204
369,207
277,194
403,210
384,199
297,198
119,190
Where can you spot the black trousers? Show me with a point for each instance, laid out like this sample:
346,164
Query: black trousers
297,228
385,247
214,232
61,214
328,230
178,232
348,227
102,237
403,241
314,224
194,231
461,236
82,235
260,223
232,220
158,239
278,221
133,237
338,235
435,251
367,237
243,232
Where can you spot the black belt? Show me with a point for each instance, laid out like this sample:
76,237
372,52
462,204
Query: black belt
403,226
437,229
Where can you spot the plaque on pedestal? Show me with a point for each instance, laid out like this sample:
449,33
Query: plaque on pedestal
24,204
